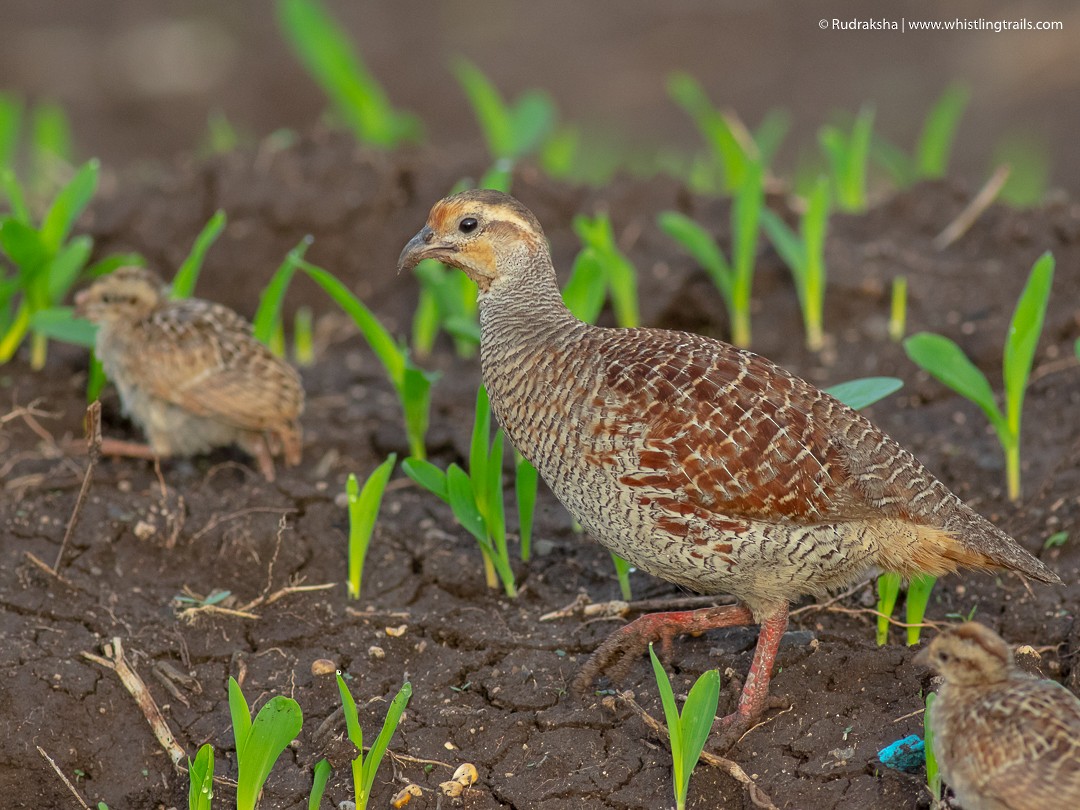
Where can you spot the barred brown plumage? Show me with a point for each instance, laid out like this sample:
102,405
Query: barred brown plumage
704,464
190,373
1004,739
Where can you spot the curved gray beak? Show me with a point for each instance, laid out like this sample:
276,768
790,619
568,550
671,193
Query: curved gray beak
420,247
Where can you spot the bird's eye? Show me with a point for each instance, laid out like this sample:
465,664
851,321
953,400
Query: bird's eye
468,225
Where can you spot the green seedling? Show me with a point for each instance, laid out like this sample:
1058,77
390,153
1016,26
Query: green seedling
201,779
690,730
259,743
47,258
183,283
898,309
476,496
888,588
447,302
616,270
930,159
847,155
511,131
48,148
303,342
320,777
526,484
864,392
622,574
735,278
804,254
11,115
411,383
734,151
918,596
947,362
358,99
364,768
215,597
933,773
267,321
1056,540
1029,169
363,509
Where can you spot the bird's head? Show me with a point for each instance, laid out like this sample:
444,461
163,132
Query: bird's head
487,234
127,293
968,655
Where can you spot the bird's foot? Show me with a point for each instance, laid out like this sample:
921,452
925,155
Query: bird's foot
619,650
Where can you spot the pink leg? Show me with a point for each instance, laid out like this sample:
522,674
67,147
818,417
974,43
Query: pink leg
755,693
619,650
119,447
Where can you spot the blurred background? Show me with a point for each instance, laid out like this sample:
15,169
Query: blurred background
143,80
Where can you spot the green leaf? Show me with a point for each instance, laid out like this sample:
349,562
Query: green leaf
379,339
428,476
622,574
275,726
862,393
788,245
918,596
585,290
947,362
183,283
11,113
888,588
939,130
66,266
488,106
533,118
1024,332
478,449
415,394
328,54
363,510
356,735
933,772
24,246
240,713
60,323
378,748
675,730
320,777
493,509
463,503
68,205
201,779
697,717
526,482
9,184
273,295
700,244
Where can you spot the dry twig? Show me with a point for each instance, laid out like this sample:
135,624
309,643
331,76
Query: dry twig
63,778
93,451
974,209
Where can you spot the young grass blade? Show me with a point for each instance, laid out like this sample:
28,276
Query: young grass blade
918,596
11,114
356,736
201,779
378,748
68,205
9,184
491,111
526,482
585,290
303,340
332,60
689,731
1023,338
459,487
428,476
260,743
933,773
60,323
888,588
947,363
363,510
50,142
898,309
320,777
622,574
183,283
939,129
700,244
596,232
268,313
864,392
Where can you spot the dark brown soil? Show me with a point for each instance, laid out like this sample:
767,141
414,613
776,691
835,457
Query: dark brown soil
490,680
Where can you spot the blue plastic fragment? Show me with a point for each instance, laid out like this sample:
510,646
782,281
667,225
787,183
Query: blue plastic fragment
908,754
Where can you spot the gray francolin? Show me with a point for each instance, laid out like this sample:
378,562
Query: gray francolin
190,373
703,464
1004,739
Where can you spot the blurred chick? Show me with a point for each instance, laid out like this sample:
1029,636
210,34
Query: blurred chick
1004,739
190,373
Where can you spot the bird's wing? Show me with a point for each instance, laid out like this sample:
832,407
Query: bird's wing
1034,760
203,358
720,430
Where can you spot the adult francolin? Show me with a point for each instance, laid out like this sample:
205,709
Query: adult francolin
1004,739
190,373
703,464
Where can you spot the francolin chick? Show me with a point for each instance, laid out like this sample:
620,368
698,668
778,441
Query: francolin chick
190,373
704,464
1004,739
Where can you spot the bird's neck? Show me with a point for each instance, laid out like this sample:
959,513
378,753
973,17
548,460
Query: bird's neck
525,307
